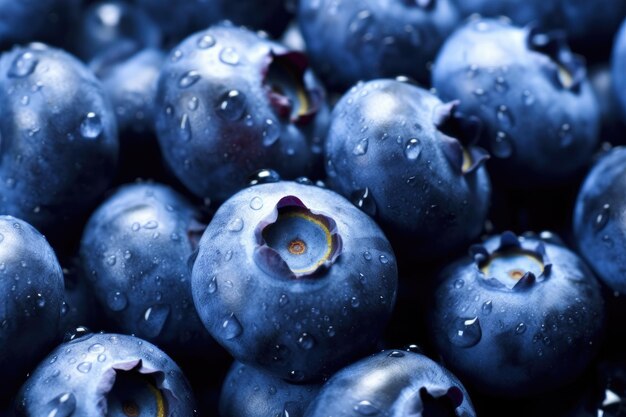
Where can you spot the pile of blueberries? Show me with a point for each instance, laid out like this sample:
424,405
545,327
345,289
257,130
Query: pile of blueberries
312,208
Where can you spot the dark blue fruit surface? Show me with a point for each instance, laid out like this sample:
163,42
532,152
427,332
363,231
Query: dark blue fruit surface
229,103
31,293
520,317
349,41
530,92
393,383
294,279
598,225
618,70
135,253
249,392
106,375
58,137
408,160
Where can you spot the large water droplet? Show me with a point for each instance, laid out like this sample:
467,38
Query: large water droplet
206,41
235,225
256,203
306,341
231,327
91,126
84,367
465,332
413,149
23,65
502,146
63,405
188,79
153,320
117,301
602,218
231,106
366,408
521,328
487,307
229,56
363,199
505,118
271,132
361,147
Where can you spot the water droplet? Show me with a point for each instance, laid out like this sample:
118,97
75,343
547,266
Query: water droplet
193,103
528,98
212,287
235,225
383,259
413,149
501,85
228,256
96,348
465,332
117,301
602,218
459,283
487,307
229,56
354,302
363,199
91,126
296,375
283,300
185,128
271,133
521,328
306,341
111,260
256,203
231,106
361,147
502,146
23,65
63,405
102,357
153,320
366,408
565,135
396,354
84,367
206,41
188,79
505,117
151,224
231,328
367,256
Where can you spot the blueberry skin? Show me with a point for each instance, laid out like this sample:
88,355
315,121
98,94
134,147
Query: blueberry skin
135,250
387,151
392,383
352,41
521,328
31,293
219,119
618,69
297,323
530,92
598,228
82,377
58,137
113,27
249,392
179,19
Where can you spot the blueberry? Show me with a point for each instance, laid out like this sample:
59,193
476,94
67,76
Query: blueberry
618,69
532,95
229,103
395,150
57,134
522,317
106,374
31,293
294,279
392,382
114,27
362,40
598,226
135,250
248,392
179,18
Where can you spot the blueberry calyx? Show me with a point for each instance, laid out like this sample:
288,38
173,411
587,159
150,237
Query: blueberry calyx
459,133
295,241
289,90
569,69
512,266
